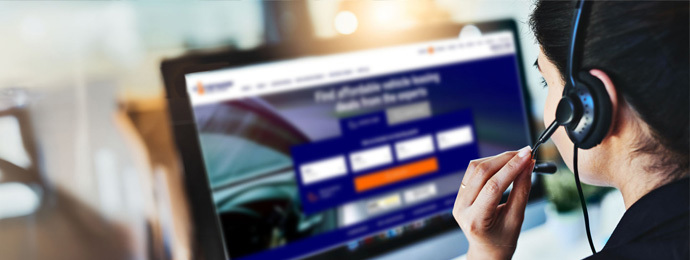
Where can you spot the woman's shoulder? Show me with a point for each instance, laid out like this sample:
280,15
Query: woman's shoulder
657,226
670,248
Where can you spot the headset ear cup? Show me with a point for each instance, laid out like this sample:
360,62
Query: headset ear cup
602,110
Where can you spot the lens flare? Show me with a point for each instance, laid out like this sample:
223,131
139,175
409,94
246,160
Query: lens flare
345,22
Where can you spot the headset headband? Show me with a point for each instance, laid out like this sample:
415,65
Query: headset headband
573,62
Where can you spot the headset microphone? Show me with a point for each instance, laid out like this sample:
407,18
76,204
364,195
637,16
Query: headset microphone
545,167
565,114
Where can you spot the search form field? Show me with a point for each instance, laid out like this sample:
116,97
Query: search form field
323,170
386,203
454,137
414,147
370,158
420,193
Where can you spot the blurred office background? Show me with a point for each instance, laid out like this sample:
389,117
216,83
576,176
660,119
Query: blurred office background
88,169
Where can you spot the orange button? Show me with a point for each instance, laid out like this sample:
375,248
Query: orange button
393,175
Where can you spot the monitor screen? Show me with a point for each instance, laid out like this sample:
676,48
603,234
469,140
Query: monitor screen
355,153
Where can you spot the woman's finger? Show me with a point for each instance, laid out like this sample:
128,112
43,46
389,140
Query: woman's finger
517,200
478,173
492,190
458,207
470,168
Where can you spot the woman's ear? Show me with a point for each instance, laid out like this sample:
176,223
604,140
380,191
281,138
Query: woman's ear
613,95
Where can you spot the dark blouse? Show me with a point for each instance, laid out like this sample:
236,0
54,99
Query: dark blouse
654,227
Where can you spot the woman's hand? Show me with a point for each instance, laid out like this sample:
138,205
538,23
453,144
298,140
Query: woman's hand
492,229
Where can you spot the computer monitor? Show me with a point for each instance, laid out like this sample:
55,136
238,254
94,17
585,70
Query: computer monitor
342,148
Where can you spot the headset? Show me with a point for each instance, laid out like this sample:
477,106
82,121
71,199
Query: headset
584,109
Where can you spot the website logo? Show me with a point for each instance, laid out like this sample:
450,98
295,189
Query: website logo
201,89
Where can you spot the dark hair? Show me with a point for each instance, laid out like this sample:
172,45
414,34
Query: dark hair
643,48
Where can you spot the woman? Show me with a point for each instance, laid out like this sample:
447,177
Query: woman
639,50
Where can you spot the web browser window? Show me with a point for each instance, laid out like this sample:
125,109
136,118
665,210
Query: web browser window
329,155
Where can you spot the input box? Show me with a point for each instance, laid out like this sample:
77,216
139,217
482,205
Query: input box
414,147
386,203
371,158
454,137
420,193
323,170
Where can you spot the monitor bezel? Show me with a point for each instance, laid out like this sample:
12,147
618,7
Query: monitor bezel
208,238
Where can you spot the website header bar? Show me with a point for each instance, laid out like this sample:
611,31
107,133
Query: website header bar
281,76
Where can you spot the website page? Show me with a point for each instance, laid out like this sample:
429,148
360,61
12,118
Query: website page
339,154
